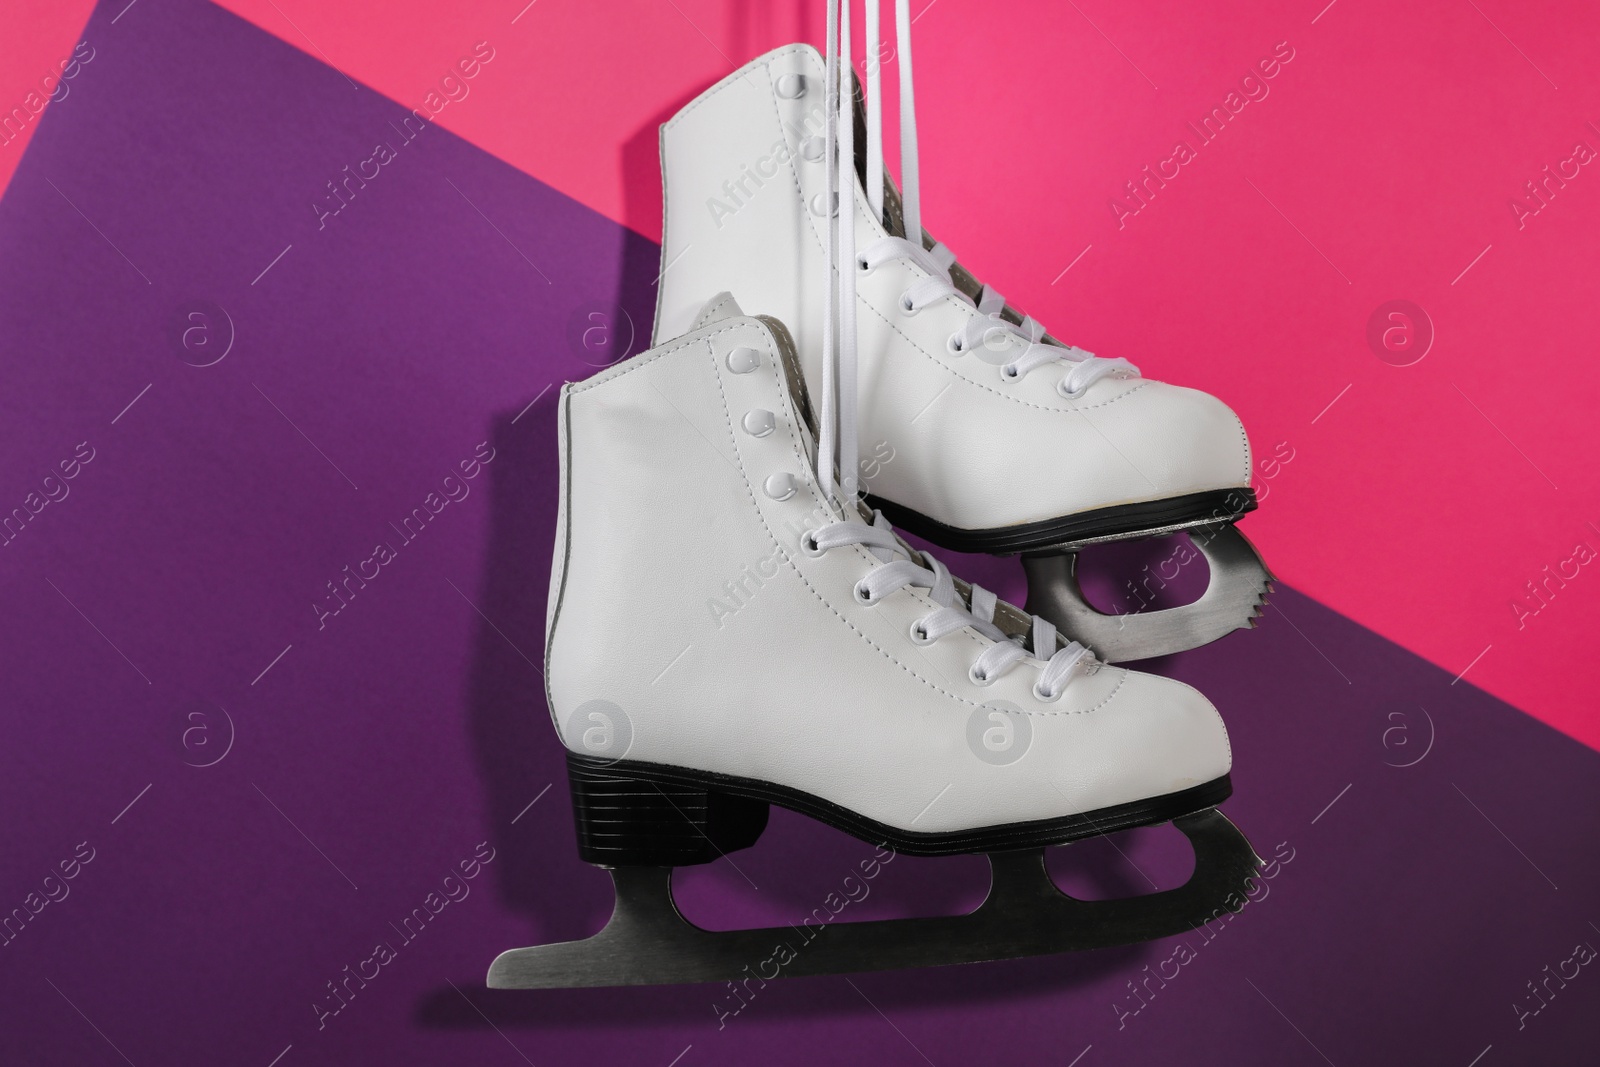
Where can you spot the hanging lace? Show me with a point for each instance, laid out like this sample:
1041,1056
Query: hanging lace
993,332
899,565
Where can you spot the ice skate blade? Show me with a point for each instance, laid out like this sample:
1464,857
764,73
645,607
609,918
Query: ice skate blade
648,942
1234,597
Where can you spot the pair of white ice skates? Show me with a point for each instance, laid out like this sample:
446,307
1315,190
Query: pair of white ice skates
729,626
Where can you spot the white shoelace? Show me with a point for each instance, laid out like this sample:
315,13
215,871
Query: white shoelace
993,332
900,565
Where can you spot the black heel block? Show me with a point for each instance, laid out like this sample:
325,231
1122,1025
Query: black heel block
634,815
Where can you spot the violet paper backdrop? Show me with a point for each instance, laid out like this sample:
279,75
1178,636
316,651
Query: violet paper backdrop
259,769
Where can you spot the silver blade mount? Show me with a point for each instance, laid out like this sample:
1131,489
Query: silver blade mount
1234,598
648,942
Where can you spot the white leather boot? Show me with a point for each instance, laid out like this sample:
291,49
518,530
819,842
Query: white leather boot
723,635
1005,441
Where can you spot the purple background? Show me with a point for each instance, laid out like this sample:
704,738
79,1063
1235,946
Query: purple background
436,311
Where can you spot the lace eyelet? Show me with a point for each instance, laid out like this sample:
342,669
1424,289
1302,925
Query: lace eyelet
1009,373
906,307
977,679
954,345
863,597
919,636
863,266
808,544
1040,694
1068,392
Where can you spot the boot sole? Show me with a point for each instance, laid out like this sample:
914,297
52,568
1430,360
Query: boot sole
1120,522
630,813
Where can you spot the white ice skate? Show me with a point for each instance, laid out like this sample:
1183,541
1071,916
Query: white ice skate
1005,440
727,629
